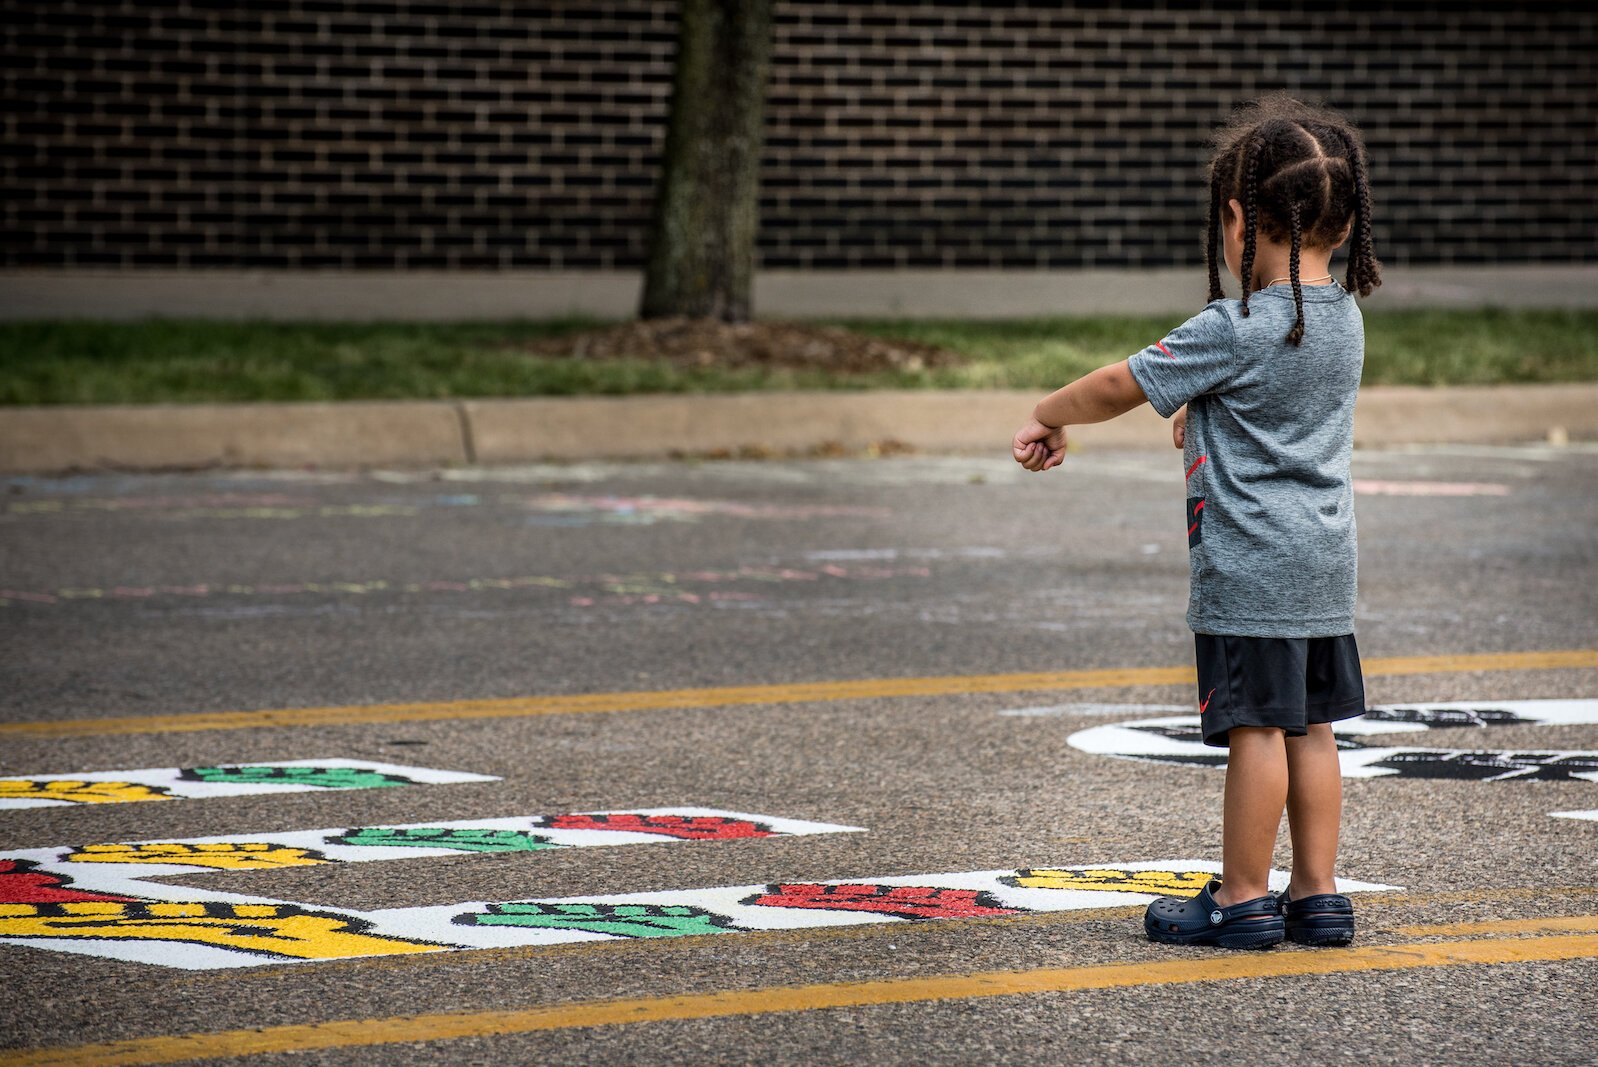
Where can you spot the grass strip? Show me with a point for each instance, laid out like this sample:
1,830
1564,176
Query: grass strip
191,361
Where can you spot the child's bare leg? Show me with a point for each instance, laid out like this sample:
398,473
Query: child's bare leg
1314,810
1256,790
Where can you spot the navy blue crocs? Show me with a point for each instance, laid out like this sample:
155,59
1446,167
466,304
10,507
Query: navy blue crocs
1323,919
1199,920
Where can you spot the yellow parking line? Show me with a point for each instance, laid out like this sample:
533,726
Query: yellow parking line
725,696
409,1029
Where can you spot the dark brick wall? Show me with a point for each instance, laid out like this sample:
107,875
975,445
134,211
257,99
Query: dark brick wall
349,133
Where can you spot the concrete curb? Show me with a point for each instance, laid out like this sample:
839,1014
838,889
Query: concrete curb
449,433
146,437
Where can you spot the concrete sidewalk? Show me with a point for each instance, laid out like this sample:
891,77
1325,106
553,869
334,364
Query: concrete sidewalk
486,295
446,433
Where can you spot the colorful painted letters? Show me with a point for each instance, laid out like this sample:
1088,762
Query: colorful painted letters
99,899
180,783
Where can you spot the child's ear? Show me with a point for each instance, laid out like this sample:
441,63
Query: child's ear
1234,220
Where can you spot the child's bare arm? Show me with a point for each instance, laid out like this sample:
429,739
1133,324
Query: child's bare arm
1097,397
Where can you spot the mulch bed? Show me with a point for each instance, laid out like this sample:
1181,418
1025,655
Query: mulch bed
691,343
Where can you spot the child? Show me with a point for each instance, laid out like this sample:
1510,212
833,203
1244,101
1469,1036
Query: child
1269,383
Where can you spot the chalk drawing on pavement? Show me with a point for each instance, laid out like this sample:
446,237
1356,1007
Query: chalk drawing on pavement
1179,740
541,509
568,509
164,505
1049,711
1372,487
708,586
855,555
196,783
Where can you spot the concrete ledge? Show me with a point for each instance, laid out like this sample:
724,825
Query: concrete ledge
444,433
1480,414
467,295
157,436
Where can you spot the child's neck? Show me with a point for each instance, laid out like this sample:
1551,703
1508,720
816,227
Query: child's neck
1272,263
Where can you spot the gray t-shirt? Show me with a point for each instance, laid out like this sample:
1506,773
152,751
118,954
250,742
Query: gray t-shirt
1270,430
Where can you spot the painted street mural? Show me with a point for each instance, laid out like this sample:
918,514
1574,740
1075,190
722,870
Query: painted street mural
807,905
198,783
99,900
1179,740
123,867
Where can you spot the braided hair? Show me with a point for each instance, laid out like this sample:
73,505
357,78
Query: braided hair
1299,171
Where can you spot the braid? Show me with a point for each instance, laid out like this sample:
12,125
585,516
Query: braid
1251,166
1364,272
1212,235
1295,336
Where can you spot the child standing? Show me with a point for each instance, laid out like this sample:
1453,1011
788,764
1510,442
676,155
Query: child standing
1269,383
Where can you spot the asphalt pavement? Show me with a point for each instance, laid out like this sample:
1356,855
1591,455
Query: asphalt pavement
830,715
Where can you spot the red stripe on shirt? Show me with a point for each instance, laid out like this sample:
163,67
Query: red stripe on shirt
1161,346
1196,464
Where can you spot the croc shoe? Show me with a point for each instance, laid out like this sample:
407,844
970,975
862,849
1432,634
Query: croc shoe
1322,919
1199,920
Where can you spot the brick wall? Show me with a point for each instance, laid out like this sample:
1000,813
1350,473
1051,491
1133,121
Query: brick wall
405,135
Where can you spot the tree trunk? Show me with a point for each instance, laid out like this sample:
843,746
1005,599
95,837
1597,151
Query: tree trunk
702,236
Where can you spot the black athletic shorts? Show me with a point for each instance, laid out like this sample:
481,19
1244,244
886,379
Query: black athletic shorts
1288,682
